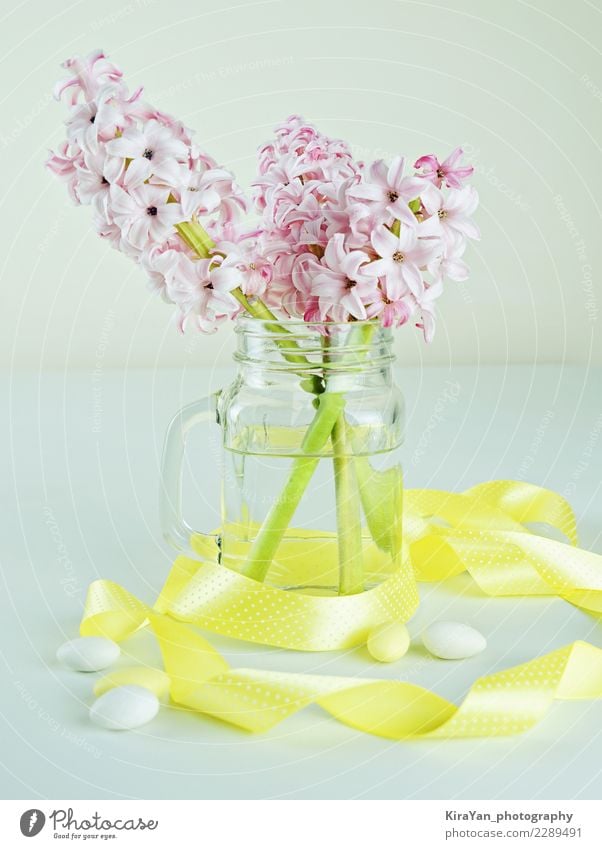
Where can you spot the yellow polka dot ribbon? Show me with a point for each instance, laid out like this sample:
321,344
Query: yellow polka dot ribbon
483,531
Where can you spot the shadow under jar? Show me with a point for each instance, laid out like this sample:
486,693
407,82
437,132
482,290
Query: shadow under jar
312,484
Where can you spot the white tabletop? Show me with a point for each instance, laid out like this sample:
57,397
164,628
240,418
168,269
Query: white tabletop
79,484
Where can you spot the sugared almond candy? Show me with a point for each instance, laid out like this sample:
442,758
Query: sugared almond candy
88,654
453,640
123,708
388,642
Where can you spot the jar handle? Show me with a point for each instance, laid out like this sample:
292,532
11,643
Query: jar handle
175,528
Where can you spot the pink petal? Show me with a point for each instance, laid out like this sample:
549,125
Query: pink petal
378,268
402,212
456,269
378,173
167,172
395,172
473,200
412,277
137,172
407,239
430,227
226,279
125,147
452,158
466,226
353,305
351,263
395,284
425,251
335,251
171,213
366,191
112,168
429,161
138,232
432,199
411,187
384,242
121,202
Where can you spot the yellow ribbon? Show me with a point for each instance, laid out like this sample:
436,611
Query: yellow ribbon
481,531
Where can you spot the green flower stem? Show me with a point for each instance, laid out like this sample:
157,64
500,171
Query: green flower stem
196,237
277,521
348,508
349,525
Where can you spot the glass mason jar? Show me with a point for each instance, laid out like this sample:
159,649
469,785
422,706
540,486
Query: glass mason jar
311,429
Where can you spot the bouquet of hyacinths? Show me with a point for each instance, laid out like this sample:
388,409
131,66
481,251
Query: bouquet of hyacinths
333,241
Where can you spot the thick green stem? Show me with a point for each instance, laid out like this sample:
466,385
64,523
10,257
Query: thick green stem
277,521
349,526
196,237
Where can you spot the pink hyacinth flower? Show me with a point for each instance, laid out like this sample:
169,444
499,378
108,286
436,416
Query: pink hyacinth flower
340,284
153,151
243,267
401,258
91,73
450,214
144,215
447,171
213,190
389,191
95,178
391,313
426,304
450,263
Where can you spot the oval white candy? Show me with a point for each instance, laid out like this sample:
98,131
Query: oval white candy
388,642
88,654
124,707
453,640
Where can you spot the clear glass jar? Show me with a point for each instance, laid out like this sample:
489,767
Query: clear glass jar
311,481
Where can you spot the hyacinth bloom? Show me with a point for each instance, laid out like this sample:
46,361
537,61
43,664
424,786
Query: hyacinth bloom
452,212
190,281
392,313
203,193
340,283
153,151
388,191
242,267
337,240
144,214
95,175
448,171
90,73
91,123
402,257
450,263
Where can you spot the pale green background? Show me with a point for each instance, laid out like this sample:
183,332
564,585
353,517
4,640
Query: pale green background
518,83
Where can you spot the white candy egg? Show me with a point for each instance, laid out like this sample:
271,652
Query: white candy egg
388,642
123,708
88,654
453,640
